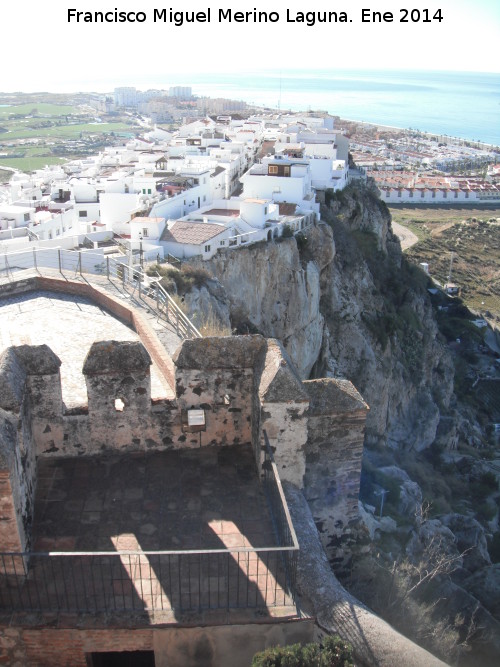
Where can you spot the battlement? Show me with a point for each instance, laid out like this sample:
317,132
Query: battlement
227,391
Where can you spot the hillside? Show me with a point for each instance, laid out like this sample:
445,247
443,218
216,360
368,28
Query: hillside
475,244
346,302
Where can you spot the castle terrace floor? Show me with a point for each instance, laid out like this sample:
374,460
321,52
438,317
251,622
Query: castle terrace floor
69,325
207,499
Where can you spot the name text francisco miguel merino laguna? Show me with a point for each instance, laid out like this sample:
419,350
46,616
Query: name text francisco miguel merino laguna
179,18
310,18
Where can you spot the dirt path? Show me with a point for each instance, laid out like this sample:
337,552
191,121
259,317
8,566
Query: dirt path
405,236
439,230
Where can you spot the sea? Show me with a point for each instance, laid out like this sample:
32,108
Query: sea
457,104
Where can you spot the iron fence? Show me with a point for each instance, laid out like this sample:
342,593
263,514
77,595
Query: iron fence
138,580
188,580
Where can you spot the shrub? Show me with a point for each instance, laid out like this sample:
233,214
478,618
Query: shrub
287,232
301,241
181,280
333,652
483,487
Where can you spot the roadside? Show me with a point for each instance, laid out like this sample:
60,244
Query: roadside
406,237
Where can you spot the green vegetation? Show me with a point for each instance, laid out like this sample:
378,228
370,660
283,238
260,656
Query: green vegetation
473,236
39,133
494,547
67,131
431,218
32,163
333,652
401,591
38,109
180,281
396,316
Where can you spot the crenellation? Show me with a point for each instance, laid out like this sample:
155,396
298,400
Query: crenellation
228,390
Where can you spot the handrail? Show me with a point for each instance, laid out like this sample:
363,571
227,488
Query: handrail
62,259
165,305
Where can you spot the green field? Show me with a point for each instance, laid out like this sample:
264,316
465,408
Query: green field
42,109
475,244
66,131
31,163
422,220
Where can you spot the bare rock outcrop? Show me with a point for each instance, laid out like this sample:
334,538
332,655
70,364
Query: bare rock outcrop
272,290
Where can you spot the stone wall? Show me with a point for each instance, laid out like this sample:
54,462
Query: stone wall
240,386
17,456
334,453
216,646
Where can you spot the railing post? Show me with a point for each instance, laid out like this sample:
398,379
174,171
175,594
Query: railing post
177,321
59,259
80,260
34,259
107,266
125,268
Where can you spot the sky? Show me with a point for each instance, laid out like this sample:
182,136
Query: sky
43,51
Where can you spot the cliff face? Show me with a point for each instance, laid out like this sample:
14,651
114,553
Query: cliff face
381,330
345,303
271,290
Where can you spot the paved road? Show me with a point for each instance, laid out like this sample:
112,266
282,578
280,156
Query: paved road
405,236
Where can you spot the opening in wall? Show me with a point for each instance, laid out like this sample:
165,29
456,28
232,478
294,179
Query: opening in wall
121,659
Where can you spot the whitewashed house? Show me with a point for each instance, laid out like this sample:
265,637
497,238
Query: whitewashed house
281,180
185,239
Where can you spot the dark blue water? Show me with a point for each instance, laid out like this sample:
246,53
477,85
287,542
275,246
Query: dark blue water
461,104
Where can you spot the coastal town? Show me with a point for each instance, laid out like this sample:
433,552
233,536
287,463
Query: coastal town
193,176
228,397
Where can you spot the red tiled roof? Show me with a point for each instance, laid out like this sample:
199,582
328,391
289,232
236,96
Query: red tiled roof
193,233
231,212
287,209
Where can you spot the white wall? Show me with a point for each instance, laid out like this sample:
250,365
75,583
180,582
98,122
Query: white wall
154,229
117,209
392,196
277,188
92,211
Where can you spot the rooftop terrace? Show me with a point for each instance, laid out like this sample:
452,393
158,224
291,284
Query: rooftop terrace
179,531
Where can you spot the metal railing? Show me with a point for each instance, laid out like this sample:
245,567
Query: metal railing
158,298
136,580
187,580
79,263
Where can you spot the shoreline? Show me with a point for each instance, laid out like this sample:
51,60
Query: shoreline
482,145
475,144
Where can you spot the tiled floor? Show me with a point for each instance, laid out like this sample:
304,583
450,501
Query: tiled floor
192,500
208,498
68,325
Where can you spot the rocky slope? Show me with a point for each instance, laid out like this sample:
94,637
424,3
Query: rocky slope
345,302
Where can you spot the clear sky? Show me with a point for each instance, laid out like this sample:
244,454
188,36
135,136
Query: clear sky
43,51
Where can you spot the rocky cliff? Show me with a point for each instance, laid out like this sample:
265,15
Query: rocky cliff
345,303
